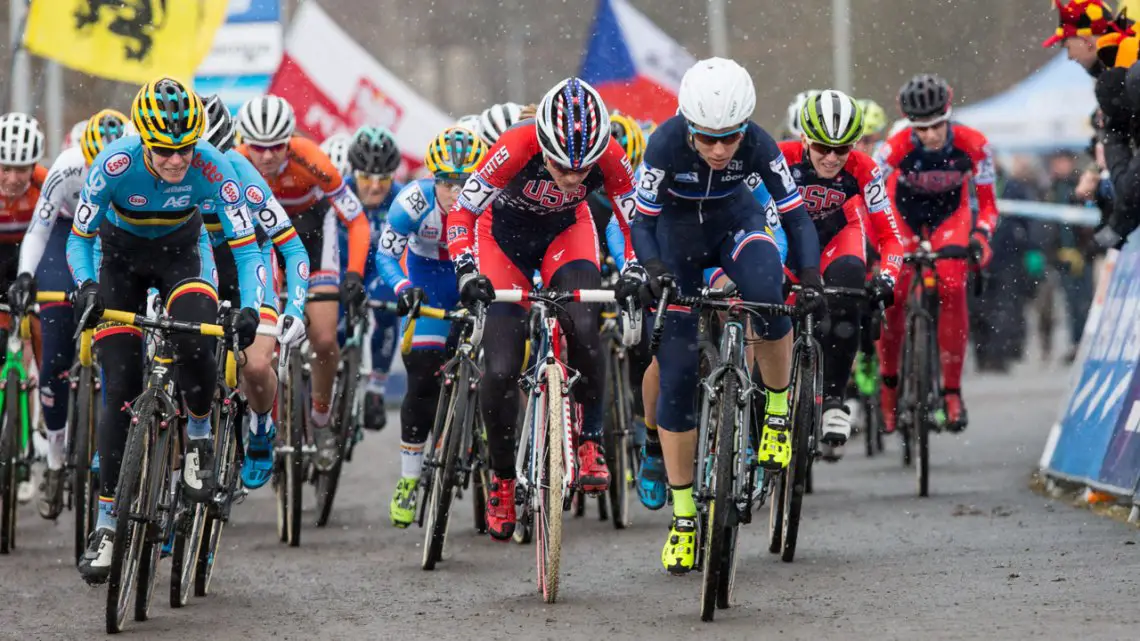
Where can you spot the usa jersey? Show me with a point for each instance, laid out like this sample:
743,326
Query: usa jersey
415,222
122,191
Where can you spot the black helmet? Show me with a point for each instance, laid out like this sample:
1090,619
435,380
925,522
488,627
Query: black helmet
220,125
925,99
373,150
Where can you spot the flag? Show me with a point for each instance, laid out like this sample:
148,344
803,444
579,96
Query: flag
635,65
125,40
335,86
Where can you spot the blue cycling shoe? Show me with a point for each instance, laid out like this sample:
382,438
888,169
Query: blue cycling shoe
651,486
257,468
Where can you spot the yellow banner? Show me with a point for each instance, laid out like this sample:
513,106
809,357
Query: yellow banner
1133,7
126,40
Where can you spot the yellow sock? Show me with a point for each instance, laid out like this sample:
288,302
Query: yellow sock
777,402
683,504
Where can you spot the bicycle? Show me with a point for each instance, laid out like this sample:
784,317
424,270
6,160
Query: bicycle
16,449
83,490
294,447
920,399
725,466
147,498
455,453
620,331
546,464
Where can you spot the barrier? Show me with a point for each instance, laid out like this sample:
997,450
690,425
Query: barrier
1096,440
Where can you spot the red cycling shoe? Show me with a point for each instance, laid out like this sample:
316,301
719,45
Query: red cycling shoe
501,508
593,475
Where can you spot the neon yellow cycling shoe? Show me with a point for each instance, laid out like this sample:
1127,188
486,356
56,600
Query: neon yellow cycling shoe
403,507
775,443
680,550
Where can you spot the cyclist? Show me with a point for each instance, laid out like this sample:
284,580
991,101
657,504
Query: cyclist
151,190
694,210
336,148
496,119
932,162
416,223
538,176
314,195
373,158
844,193
258,376
792,121
874,126
43,264
21,180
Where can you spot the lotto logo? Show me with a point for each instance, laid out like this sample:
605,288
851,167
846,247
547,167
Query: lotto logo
209,170
254,195
231,193
116,164
137,200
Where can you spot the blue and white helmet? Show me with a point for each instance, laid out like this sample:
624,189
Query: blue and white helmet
573,124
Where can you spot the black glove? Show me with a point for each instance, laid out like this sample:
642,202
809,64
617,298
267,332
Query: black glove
22,292
659,279
810,299
473,286
980,248
244,323
352,289
408,298
881,290
630,282
89,298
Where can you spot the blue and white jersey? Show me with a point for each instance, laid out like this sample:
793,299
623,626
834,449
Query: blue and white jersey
123,191
415,222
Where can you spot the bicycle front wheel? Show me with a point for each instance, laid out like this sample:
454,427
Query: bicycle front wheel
130,529
84,483
157,526
619,418
9,462
718,536
805,414
550,489
456,419
216,516
328,482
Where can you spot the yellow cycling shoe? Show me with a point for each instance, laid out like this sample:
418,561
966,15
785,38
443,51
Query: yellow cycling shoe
402,510
775,443
680,550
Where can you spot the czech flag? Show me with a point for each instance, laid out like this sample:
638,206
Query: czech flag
635,65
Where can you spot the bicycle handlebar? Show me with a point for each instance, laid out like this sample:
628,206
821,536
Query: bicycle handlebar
555,296
169,324
714,298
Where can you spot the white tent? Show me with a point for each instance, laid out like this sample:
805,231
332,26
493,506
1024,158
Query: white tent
1048,110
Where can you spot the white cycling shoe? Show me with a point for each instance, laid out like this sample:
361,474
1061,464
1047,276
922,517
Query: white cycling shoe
835,431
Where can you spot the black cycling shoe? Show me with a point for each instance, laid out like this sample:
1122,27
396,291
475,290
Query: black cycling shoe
375,412
51,494
198,470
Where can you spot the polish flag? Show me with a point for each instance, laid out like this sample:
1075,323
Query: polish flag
335,86
635,65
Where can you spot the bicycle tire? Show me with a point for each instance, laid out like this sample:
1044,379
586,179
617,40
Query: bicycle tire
84,484
617,437
479,472
548,519
295,471
719,508
328,482
187,547
804,414
215,518
129,533
438,513
9,453
923,408
155,533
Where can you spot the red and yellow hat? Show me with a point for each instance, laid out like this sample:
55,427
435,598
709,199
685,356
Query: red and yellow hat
1082,18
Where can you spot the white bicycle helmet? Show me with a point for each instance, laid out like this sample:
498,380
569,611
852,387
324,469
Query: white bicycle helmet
573,125
219,123
74,135
717,93
496,119
266,120
792,124
336,148
470,122
21,141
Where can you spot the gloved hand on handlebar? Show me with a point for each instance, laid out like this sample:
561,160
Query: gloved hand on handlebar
290,330
89,298
658,279
810,299
23,291
881,289
244,322
473,286
408,298
980,248
630,282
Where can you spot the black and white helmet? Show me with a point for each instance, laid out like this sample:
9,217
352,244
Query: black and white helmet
925,99
21,141
496,119
266,120
336,148
220,126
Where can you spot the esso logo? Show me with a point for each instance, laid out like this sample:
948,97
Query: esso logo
116,164
254,195
303,270
262,274
231,193
137,200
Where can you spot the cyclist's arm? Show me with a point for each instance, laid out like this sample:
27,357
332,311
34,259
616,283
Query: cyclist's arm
618,180
237,227
503,161
984,177
777,177
63,178
651,187
875,206
292,251
351,213
89,214
404,218
616,241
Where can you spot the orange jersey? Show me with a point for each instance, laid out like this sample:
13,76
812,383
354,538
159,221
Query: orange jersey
306,179
16,213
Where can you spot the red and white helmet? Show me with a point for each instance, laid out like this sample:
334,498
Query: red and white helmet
573,124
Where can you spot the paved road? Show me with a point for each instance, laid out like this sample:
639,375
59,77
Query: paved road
982,558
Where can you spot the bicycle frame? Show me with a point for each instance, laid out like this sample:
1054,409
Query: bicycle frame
732,363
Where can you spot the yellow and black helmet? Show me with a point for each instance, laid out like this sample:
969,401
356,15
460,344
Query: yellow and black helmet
455,153
106,126
629,135
167,114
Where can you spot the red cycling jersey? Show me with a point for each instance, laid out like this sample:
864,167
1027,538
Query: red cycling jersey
16,213
514,177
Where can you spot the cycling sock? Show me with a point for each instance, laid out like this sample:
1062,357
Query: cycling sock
683,504
55,447
198,427
777,402
376,382
106,519
259,423
320,417
652,440
592,422
411,459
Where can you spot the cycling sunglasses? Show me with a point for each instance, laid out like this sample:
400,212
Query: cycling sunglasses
266,148
823,150
167,152
727,138
366,177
